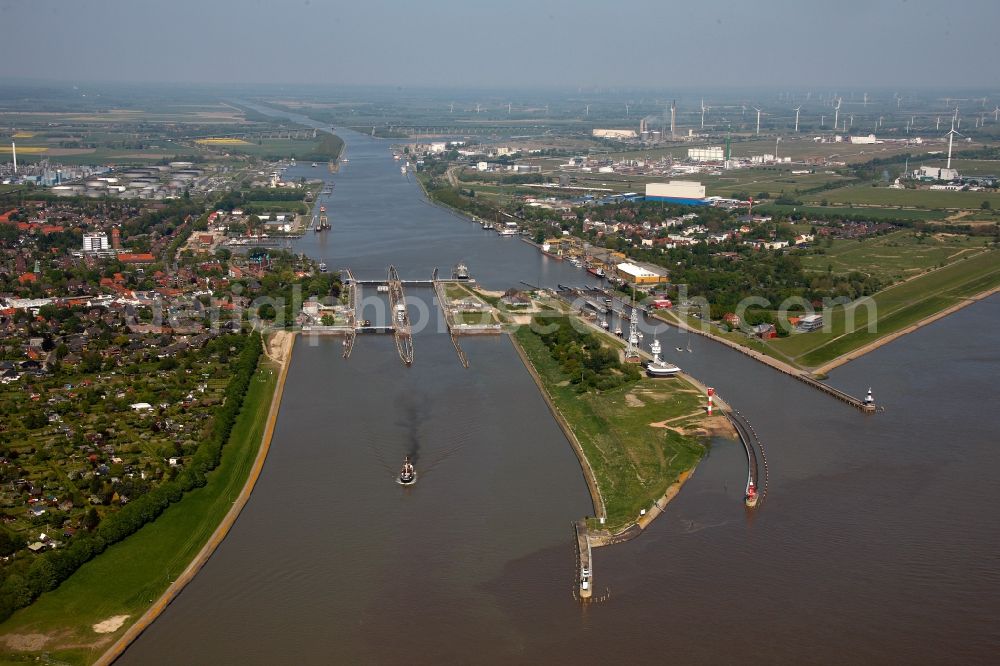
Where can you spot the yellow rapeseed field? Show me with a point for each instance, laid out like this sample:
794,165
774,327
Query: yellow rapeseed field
25,150
222,142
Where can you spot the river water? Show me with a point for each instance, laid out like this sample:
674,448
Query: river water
877,541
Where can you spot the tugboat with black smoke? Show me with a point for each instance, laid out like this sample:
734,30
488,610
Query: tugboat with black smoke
407,475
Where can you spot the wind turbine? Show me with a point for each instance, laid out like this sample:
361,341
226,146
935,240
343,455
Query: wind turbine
758,120
836,113
951,136
797,109
703,113
996,114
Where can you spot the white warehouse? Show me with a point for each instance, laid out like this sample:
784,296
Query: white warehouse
677,191
706,154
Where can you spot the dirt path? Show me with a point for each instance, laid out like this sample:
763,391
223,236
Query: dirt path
281,347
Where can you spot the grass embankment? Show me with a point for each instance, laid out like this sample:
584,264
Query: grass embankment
132,574
896,308
633,461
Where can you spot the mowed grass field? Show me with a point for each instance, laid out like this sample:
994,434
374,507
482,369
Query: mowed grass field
895,308
634,463
285,148
130,575
895,256
867,212
883,196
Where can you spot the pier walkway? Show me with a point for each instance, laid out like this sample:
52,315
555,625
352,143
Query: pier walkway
400,318
751,443
585,571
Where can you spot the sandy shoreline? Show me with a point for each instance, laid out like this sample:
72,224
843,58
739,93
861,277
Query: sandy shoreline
279,349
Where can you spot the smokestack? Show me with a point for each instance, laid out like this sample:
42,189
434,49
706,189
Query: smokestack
116,239
13,152
673,119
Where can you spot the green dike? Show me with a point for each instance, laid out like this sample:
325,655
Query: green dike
130,575
897,307
633,463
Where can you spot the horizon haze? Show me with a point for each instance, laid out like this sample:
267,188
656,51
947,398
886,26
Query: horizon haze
555,43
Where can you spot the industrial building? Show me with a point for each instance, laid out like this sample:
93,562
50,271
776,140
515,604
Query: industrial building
707,154
936,173
687,192
614,133
863,139
638,275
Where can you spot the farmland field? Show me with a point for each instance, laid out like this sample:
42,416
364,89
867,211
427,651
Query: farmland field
867,212
883,196
894,256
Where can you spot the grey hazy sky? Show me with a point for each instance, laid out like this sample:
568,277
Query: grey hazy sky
506,43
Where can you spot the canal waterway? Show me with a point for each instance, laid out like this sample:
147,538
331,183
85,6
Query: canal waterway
877,541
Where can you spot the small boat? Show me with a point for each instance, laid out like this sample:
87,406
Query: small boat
604,324
618,331
598,272
680,349
658,367
407,475
752,496
322,209
322,267
461,272
314,165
